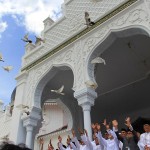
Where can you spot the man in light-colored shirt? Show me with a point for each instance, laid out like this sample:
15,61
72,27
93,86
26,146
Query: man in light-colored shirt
144,142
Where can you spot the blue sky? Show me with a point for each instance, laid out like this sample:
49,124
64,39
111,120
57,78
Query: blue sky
18,17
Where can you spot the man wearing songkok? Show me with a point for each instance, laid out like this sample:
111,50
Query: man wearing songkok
128,137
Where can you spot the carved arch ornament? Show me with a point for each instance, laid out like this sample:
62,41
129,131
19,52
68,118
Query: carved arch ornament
79,55
136,21
38,78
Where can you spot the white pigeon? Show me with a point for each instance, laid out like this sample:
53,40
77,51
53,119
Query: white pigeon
8,68
91,84
38,39
26,39
59,91
98,60
1,57
89,23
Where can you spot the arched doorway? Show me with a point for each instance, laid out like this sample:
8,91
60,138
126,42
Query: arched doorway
123,83
53,80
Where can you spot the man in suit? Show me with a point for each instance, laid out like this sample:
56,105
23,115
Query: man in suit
128,137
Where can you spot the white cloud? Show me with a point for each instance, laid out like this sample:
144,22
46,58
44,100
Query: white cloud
30,13
3,26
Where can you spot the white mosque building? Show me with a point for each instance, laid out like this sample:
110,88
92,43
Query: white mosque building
115,87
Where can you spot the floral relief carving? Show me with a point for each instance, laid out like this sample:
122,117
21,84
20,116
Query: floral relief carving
79,64
36,74
134,16
76,22
79,53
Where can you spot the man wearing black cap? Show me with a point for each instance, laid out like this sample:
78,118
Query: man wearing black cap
144,142
127,137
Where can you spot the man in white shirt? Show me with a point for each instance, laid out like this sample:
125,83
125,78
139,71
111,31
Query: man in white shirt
112,142
144,142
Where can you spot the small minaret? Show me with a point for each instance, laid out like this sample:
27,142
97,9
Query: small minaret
47,23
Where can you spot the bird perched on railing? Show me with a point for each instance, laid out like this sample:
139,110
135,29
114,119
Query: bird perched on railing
1,57
59,91
7,68
89,23
26,39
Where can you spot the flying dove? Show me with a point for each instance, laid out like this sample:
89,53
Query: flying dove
38,39
89,23
98,60
91,84
25,39
59,91
8,68
1,57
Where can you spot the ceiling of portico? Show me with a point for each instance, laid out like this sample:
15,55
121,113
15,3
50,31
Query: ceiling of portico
123,83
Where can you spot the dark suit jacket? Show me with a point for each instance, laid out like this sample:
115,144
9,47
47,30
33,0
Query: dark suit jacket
129,142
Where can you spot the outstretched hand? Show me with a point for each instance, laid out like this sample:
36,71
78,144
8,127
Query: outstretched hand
98,127
128,122
73,133
59,138
80,131
115,123
86,133
104,123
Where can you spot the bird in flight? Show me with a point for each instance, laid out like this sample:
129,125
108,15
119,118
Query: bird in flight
89,23
8,68
91,84
38,39
98,60
1,57
59,91
26,39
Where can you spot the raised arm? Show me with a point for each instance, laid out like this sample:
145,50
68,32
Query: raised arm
75,140
60,146
99,136
115,129
86,140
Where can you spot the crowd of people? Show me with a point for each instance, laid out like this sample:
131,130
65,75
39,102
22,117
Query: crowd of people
112,139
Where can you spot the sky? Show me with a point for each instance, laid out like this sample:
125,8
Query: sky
18,17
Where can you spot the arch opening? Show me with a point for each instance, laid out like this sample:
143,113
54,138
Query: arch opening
123,83
65,105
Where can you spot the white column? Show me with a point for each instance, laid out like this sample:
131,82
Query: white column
29,122
87,118
29,129
86,98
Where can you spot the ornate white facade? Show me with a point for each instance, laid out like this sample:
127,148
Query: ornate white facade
65,59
